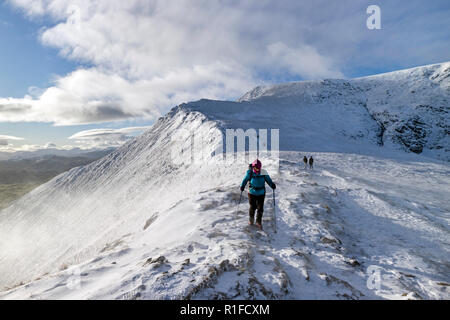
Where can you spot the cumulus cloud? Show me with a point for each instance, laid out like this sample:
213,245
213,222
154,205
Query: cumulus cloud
147,56
103,138
5,137
5,145
4,140
50,145
93,96
42,149
304,60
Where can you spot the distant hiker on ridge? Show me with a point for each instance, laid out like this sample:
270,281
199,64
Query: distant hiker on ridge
257,190
311,161
305,161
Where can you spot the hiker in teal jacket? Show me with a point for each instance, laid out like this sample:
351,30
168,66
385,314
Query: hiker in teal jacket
257,191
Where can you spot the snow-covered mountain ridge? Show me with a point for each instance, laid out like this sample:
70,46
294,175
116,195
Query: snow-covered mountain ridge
136,224
410,106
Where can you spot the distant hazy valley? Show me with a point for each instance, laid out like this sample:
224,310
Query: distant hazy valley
20,175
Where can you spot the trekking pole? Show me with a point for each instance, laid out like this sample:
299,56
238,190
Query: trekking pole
237,209
274,213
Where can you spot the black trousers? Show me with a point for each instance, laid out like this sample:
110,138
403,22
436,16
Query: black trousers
256,204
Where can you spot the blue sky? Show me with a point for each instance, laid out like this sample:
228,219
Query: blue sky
67,68
24,62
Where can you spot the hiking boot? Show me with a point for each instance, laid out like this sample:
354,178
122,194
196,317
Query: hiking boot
251,221
259,225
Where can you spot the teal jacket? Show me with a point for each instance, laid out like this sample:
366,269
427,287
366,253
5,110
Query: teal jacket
257,183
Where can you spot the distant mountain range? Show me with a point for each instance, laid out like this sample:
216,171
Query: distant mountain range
45,152
26,170
32,167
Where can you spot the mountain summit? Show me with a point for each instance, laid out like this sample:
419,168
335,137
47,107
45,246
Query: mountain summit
410,107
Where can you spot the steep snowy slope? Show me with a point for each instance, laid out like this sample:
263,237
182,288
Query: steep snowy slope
413,107
138,224
87,207
317,116
410,106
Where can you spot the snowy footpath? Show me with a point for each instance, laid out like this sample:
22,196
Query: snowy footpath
355,227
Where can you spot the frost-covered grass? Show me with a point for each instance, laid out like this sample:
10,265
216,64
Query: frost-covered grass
11,192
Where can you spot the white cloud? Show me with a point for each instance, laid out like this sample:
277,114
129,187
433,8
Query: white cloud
102,133
9,147
103,138
147,56
5,137
6,146
93,96
4,141
52,148
50,145
304,60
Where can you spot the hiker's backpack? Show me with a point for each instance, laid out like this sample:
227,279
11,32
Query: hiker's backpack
251,176
250,167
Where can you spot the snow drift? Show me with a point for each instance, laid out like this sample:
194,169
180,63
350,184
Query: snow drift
137,224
